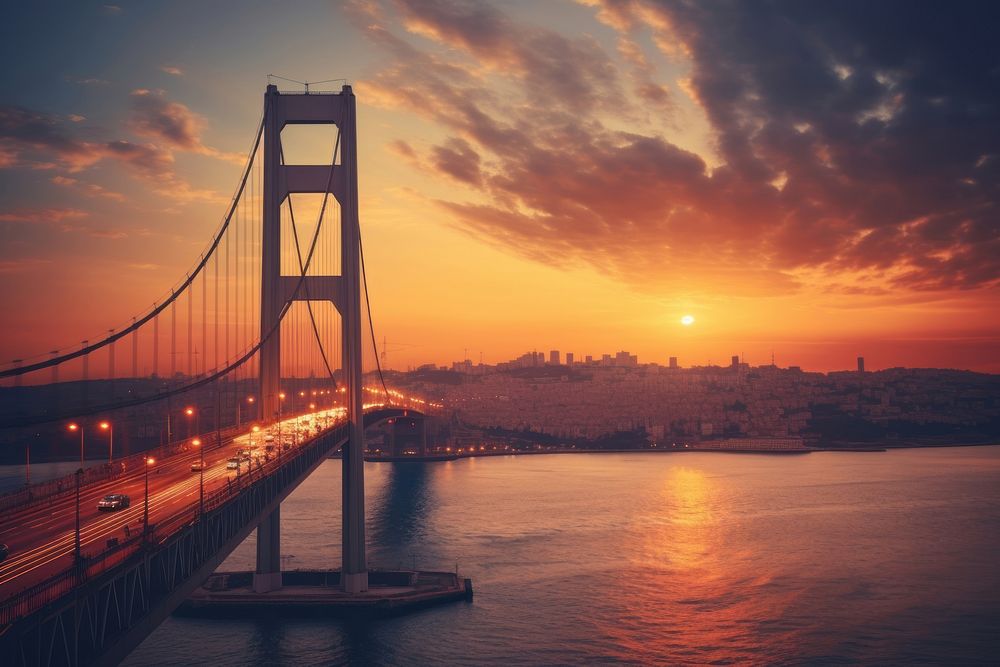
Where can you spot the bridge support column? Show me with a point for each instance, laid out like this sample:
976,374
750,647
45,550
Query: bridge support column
268,574
354,571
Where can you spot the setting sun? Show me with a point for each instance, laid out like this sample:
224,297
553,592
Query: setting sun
687,320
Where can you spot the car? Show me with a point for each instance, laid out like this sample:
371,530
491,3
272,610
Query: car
197,466
4,552
233,463
113,502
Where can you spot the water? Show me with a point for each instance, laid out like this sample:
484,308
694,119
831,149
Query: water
645,558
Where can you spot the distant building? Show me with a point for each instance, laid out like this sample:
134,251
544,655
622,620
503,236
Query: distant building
673,362
735,363
569,358
623,358
589,359
861,364
554,357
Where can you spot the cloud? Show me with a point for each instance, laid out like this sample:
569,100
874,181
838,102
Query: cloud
172,123
66,220
34,139
846,142
23,264
171,70
88,189
37,140
43,215
88,81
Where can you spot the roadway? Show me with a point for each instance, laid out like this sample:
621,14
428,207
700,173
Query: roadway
41,537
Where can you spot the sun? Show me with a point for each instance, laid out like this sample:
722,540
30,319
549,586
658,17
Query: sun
687,320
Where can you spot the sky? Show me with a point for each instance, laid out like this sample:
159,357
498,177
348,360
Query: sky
817,180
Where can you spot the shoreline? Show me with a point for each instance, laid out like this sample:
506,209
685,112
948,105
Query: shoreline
881,447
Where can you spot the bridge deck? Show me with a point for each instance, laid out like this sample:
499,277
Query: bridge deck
99,610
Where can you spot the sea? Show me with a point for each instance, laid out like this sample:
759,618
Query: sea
649,558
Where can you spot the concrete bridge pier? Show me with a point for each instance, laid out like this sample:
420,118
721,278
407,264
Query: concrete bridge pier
267,577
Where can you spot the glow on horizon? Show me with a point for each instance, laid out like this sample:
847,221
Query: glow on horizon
452,264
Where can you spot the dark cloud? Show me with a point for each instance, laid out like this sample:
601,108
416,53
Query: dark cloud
854,139
172,124
40,140
37,140
458,160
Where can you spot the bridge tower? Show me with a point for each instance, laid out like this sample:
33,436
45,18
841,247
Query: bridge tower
344,291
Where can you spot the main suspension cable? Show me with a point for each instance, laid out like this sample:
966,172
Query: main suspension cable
138,322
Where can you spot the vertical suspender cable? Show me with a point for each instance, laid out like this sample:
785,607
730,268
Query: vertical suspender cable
173,340
156,345
135,351
190,323
215,311
204,322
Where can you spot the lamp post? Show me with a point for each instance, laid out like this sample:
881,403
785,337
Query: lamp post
255,429
145,512
77,555
201,474
239,406
189,412
281,398
106,426
74,427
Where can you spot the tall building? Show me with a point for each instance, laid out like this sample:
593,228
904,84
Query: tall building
861,364
554,357
673,362
569,358
735,361
589,359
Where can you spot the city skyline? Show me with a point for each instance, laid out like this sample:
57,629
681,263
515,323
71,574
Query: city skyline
786,208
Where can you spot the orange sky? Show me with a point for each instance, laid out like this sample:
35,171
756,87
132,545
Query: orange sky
557,176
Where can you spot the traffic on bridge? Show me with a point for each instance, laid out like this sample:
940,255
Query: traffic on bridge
41,537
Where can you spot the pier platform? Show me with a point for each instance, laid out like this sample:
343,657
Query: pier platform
317,593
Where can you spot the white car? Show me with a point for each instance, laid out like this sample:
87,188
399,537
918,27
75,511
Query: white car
113,502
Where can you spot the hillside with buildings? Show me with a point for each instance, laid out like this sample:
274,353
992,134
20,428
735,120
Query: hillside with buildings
589,401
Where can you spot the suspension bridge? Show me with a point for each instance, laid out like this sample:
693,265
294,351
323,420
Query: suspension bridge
201,414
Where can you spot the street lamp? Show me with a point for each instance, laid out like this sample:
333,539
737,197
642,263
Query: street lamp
201,474
77,555
281,398
189,411
239,409
106,426
74,427
145,512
